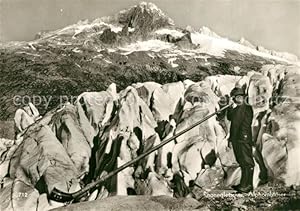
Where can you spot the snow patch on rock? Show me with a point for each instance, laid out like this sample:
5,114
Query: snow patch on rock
172,32
149,45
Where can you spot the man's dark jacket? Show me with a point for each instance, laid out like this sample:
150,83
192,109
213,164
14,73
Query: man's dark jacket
241,119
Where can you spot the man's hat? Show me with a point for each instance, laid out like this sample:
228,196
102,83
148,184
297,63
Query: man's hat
237,91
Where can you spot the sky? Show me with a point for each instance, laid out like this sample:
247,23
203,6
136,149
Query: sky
274,24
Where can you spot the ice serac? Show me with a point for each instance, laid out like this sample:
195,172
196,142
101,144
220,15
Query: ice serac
260,92
175,91
97,107
276,73
25,117
131,105
69,132
275,153
199,143
8,148
163,105
130,133
285,127
42,161
145,90
222,84
201,93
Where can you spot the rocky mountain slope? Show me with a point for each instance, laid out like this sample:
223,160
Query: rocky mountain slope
136,80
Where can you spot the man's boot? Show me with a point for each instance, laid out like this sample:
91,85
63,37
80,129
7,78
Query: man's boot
263,178
248,185
263,174
242,181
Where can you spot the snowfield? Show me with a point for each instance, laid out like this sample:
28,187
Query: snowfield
218,46
149,45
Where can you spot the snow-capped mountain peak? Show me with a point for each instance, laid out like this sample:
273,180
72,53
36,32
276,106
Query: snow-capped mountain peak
145,17
144,22
207,31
